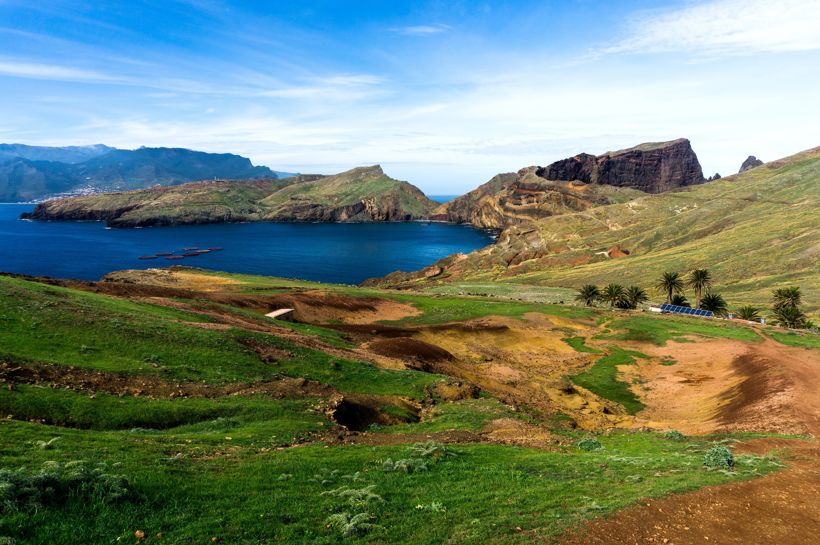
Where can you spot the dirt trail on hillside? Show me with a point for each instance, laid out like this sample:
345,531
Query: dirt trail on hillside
770,387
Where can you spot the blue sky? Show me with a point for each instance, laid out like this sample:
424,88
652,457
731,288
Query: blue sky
443,94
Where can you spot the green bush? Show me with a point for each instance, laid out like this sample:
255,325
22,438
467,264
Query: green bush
351,525
589,444
719,457
54,484
431,449
674,435
407,465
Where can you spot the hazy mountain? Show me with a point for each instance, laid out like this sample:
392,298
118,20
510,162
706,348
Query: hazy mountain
65,154
31,173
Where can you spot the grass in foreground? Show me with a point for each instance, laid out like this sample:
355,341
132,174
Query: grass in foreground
192,492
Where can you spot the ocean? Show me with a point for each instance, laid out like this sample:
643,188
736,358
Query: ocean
325,252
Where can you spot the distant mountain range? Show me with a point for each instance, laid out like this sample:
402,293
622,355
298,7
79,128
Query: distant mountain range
29,173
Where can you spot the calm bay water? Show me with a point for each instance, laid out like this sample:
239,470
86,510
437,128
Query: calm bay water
341,253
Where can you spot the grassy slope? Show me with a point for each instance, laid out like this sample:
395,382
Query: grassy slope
205,202
755,231
214,468
349,188
65,326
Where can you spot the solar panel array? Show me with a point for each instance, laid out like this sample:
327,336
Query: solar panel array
686,310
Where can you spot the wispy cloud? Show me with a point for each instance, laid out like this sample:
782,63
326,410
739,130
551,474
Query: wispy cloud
52,72
421,30
336,87
725,27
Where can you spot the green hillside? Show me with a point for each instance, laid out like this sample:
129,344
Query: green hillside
754,231
361,194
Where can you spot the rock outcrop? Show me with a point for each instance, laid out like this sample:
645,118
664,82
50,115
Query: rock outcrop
653,167
750,162
575,184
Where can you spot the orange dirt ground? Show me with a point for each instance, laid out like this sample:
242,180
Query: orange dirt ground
768,387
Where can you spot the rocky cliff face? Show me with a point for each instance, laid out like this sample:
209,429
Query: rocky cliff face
523,197
652,167
576,184
750,162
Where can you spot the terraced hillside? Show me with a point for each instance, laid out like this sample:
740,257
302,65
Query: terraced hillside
754,231
361,194
162,406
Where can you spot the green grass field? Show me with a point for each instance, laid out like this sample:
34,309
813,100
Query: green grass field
250,469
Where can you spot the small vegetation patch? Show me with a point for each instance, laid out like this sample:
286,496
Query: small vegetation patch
589,444
719,457
602,379
53,484
578,343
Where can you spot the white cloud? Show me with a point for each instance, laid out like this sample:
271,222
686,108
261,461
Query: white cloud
421,30
52,72
726,27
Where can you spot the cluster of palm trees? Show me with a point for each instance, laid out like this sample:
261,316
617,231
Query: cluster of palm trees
785,301
700,280
615,295
671,284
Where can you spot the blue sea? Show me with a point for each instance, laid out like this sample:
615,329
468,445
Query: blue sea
337,253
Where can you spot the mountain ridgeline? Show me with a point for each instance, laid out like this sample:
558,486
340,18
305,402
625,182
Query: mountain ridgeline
32,172
359,195
367,194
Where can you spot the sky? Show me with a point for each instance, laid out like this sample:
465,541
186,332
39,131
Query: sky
444,94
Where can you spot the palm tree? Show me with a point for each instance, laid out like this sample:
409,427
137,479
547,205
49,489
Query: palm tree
749,312
789,316
699,280
612,294
786,297
680,301
588,294
634,296
715,303
670,284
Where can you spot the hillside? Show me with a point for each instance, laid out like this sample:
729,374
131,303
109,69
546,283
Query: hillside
31,173
361,194
163,406
754,231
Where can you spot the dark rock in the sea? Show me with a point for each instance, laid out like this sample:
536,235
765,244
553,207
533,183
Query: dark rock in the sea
750,162
652,167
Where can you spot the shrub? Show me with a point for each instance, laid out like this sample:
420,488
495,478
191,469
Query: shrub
25,490
589,444
674,435
407,465
356,497
719,457
431,449
351,525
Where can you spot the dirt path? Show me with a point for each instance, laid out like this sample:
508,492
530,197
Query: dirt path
772,388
